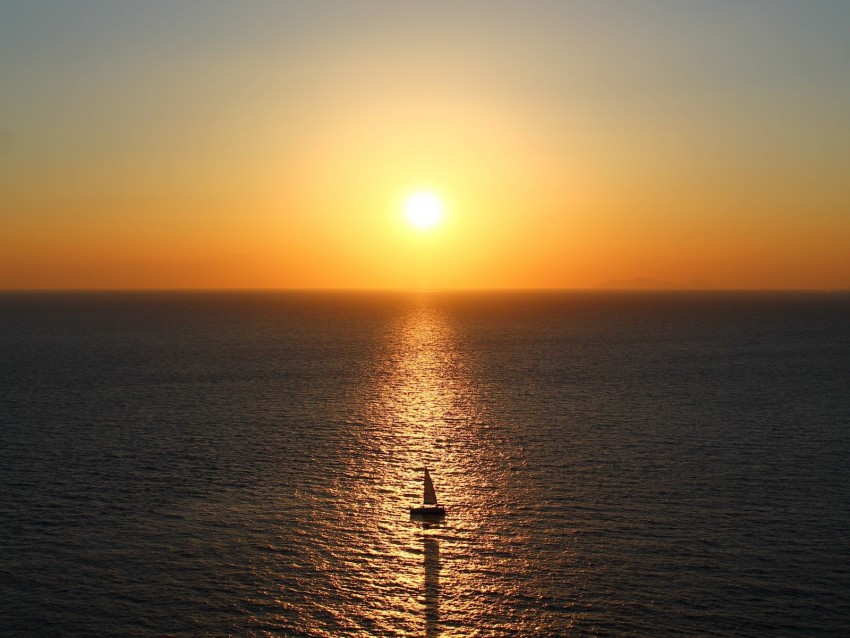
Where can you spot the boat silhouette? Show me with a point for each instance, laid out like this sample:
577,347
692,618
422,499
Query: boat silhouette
430,508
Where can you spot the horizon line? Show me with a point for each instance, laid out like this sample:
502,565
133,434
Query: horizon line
412,290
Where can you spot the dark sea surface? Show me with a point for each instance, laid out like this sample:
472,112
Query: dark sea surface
241,464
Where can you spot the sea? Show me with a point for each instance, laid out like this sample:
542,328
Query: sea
658,464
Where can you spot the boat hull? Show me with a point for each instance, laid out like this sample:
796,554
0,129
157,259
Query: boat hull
428,511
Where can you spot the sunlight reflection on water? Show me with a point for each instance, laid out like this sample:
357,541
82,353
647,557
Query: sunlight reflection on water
424,397
427,411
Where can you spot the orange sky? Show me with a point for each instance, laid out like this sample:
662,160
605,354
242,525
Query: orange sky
230,145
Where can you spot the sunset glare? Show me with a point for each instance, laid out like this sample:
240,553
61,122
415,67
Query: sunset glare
433,319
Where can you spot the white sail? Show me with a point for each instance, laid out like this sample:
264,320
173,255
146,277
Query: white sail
430,494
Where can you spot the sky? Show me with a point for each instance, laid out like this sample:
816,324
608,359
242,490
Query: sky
208,144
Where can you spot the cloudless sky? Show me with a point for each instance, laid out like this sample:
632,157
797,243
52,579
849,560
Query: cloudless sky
271,144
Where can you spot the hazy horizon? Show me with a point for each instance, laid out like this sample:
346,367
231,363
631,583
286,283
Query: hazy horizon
596,289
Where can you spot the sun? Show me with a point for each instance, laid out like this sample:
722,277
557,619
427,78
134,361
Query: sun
423,210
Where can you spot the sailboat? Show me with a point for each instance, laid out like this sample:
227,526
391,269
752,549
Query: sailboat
430,508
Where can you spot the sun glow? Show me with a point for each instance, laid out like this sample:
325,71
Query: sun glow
423,210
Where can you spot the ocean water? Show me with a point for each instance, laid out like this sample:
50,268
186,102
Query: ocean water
241,464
